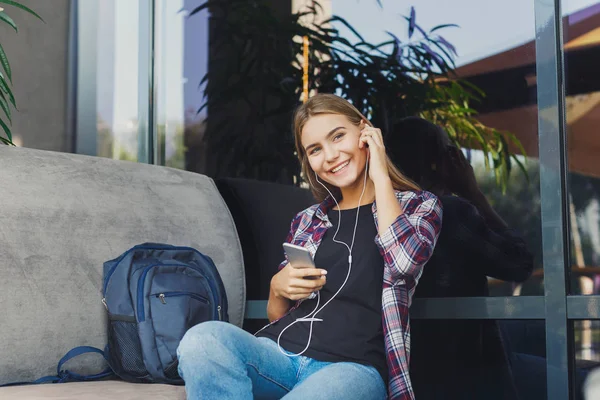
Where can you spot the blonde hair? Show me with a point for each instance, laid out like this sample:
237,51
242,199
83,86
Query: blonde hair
332,104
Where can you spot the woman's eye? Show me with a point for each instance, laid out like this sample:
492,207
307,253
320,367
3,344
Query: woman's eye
314,150
338,136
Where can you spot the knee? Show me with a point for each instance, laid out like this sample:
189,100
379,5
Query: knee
204,337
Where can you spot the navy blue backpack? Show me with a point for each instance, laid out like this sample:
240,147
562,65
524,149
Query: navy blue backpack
153,294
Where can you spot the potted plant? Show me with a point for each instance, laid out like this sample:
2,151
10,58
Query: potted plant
7,99
255,76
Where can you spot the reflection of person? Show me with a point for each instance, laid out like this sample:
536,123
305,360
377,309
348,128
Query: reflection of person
458,358
353,338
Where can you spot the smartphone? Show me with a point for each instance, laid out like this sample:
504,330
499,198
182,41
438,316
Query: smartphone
298,256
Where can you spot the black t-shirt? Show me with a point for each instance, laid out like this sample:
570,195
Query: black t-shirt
352,328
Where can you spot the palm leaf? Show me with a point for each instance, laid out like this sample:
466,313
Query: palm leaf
521,167
336,18
6,89
6,130
22,7
4,17
4,63
443,26
5,107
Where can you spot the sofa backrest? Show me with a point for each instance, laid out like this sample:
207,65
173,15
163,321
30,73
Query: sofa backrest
61,217
263,213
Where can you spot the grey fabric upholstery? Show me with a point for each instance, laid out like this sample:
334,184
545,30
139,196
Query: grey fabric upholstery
94,391
61,217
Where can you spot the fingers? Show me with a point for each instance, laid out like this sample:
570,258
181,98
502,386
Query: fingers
293,291
307,272
297,297
311,284
369,141
374,134
302,288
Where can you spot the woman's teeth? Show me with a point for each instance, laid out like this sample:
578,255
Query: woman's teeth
336,169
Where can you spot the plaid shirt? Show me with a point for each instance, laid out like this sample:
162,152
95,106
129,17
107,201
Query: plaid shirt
405,246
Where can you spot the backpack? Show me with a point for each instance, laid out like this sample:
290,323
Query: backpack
153,294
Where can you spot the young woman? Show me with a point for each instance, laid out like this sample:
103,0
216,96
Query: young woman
370,236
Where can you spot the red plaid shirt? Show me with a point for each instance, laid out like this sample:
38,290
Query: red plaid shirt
405,246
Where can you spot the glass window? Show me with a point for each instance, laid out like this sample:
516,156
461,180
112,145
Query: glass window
109,81
582,103
586,351
117,79
502,64
224,110
181,62
478,359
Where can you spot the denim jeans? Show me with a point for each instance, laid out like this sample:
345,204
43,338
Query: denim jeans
220,361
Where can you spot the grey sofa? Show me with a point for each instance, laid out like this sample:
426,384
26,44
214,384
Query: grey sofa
61,217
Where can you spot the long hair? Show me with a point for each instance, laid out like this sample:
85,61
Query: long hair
332,104
417,147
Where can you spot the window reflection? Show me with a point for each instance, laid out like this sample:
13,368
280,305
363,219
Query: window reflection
581,48
482,359
117,79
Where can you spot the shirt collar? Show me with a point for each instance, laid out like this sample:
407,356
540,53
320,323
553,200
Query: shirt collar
324,207
328,204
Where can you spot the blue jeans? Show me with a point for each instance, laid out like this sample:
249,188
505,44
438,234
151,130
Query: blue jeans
220,361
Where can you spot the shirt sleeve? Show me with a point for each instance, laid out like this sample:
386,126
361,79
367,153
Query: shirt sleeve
290,237
500,254
407,244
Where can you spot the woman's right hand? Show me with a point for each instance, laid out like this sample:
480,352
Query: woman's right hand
297,283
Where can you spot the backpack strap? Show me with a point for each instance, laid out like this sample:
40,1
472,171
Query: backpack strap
63,376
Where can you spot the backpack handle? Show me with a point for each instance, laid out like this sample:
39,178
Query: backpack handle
66,375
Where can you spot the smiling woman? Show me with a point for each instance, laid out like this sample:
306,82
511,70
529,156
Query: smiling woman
327,125
357,323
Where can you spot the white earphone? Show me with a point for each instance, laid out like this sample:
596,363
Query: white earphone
311,317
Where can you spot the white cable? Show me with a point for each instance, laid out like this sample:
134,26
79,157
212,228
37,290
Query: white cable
311,317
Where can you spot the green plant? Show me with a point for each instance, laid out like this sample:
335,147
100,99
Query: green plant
7,99
254,82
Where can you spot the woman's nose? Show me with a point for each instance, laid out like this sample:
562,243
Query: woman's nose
331,153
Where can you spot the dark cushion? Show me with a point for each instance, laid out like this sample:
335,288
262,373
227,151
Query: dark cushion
262,212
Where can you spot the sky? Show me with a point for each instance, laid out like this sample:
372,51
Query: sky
485,27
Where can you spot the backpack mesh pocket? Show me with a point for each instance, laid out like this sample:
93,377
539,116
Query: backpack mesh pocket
125,350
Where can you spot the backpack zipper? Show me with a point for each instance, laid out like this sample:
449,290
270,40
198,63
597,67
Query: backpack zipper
163,296
141,315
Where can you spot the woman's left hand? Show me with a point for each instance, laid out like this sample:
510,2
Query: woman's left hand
371,137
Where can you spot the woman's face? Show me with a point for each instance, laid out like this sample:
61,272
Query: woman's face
331,145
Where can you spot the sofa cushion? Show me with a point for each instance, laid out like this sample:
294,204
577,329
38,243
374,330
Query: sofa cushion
105,390
61,216
263,212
